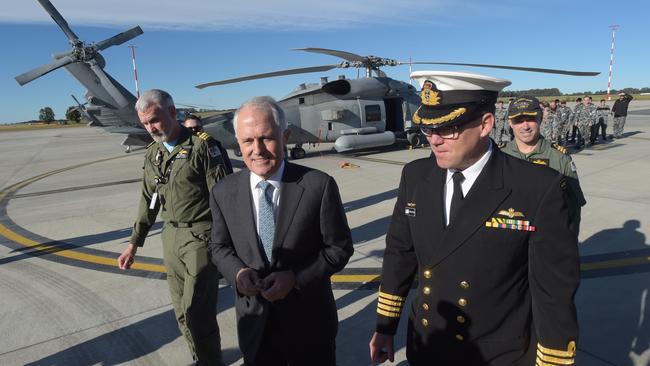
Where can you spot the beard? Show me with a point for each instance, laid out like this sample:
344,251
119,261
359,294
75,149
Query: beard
159,137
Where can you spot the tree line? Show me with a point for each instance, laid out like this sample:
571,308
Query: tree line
549,92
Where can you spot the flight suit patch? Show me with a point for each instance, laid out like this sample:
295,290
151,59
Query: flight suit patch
214,151
184,153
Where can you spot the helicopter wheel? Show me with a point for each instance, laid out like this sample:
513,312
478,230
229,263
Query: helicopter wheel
415,139
237,152
127,149
297,153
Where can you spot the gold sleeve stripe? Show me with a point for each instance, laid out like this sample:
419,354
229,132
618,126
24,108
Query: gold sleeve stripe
570,352
390,303
391,297
538,362
555,360
389,308
387,313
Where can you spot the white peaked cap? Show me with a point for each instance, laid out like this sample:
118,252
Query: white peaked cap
455,80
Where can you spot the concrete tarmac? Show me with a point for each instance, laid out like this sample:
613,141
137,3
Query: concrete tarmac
69,198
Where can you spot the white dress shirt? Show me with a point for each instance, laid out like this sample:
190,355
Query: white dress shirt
470,174
275,180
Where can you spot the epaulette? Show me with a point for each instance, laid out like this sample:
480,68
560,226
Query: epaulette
205,136
559,148
502,144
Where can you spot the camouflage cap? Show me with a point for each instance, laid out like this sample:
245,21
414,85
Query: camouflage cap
525,106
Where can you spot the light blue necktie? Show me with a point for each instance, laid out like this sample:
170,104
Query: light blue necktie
265,217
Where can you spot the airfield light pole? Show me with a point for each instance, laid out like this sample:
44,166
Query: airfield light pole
135,71
611,61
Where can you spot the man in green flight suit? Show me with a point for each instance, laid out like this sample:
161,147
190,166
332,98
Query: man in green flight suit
524,117
180,168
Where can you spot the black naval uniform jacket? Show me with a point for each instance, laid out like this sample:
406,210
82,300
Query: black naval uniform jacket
495,287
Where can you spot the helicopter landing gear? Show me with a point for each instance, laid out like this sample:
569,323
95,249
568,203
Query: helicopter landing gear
237,152
415,139
297,152
127,149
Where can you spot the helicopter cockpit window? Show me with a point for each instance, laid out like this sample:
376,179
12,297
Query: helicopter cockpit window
373,113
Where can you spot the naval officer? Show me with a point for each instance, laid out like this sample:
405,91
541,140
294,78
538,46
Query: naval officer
487,237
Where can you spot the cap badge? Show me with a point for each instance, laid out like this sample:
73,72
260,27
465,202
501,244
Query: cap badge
430,94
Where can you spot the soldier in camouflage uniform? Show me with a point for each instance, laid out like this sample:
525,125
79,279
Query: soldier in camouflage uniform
619,110
574,121
602,113
500,131
531,146
549,123
180,168
585,119
563,122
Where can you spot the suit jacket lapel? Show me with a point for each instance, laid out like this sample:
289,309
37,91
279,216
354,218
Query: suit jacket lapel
243,204
431,196
482,200
290,194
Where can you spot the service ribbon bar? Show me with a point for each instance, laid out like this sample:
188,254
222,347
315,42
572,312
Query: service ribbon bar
512,224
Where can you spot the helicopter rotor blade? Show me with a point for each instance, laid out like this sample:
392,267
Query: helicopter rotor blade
342,54
30,75
118,39
519,68
58,18
302,70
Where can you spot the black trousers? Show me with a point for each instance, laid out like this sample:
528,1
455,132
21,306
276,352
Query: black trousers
594,131
281,349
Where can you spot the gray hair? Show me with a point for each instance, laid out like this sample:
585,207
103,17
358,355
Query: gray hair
154,97
266,104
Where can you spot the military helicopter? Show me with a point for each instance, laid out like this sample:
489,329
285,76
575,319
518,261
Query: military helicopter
108,105
361,113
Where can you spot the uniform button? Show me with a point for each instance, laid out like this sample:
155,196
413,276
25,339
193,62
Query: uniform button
427,274
459,337
462,302
426,290
464,284
460,319
425,322
425,306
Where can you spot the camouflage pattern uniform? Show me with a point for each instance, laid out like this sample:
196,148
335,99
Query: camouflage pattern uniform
574,122
586,118
500,131
547,128
556,157
562,122
178,184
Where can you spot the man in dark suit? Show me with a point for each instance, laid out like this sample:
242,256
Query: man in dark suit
488,237
279,233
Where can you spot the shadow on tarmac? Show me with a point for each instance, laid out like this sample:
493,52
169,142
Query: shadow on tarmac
134,341
612,307
356,330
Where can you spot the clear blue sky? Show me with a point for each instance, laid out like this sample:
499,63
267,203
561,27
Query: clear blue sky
195,41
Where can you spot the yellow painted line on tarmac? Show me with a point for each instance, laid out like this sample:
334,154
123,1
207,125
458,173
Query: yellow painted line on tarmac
109,261
364,278
71,254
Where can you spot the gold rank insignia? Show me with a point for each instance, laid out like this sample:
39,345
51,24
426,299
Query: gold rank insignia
390,305
511,213
550,356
